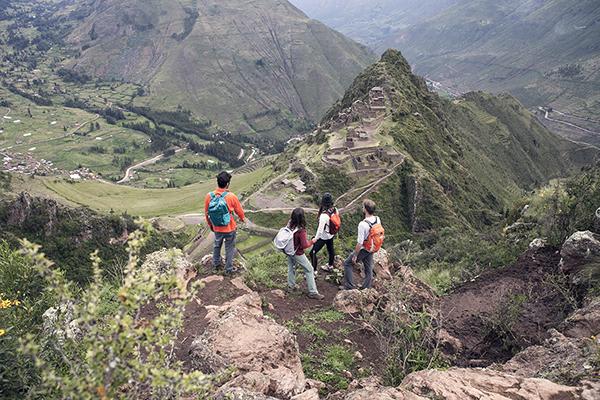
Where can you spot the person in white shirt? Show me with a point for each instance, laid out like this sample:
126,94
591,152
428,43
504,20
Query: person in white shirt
323,237
360,254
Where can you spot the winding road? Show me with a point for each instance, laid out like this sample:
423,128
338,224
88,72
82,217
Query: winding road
558,121
130,171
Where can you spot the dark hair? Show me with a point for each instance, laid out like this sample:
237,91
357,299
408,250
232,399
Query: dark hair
326,203
369,206
297,219
223,179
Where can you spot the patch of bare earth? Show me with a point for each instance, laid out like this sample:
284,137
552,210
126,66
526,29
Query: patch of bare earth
505,310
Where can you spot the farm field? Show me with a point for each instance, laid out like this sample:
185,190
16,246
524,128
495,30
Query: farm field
105,197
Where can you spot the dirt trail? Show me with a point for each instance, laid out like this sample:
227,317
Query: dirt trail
518,297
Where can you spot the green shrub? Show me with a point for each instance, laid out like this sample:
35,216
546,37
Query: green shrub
112,352
23,300
330,366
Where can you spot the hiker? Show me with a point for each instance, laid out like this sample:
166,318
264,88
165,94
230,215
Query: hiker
329,225
292,240
219,207
369,241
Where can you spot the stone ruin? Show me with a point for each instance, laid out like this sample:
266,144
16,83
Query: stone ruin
377,99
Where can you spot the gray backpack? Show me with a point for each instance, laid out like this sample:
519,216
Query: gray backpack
284,241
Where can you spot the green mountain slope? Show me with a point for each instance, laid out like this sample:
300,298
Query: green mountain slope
545,53
258,66
466,161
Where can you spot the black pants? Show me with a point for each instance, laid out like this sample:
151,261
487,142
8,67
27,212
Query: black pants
317,247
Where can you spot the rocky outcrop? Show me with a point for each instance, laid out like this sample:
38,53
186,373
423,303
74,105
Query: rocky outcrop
171,261
381,265
264,353
372,389
60,324
584,322
475,383
356,301
26,208
559,358
580,249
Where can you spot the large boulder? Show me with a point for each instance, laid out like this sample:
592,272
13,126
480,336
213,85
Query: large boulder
583,323
381,265
264,354
417,293
559,358
579,249
356,301
476,383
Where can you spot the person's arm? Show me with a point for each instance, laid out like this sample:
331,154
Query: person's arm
304,242
206,204
237,207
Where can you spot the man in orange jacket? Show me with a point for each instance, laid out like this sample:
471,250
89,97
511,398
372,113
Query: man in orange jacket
219,207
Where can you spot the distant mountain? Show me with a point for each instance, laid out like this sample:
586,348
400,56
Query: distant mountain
260,66
544,52
370,22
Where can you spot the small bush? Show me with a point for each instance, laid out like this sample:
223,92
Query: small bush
407,337
330,368
500,325
23,300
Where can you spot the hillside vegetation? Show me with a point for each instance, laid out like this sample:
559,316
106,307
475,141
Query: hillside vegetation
260,67
467,160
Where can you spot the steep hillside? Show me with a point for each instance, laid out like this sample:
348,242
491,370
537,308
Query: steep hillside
544,52
465,161
369,22
258,66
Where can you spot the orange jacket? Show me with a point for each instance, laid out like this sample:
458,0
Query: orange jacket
234,206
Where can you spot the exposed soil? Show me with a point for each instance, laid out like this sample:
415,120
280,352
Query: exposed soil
519,298
350,331
218,290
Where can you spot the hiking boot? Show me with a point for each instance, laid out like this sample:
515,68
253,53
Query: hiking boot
232,271
292,289
316,296
327,268
342,287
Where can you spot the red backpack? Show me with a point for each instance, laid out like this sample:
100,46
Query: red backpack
335,222
376,237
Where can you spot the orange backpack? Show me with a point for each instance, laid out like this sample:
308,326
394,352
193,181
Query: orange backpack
335,222
376,237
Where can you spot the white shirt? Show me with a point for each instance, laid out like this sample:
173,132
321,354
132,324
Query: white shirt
323,228
364,229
